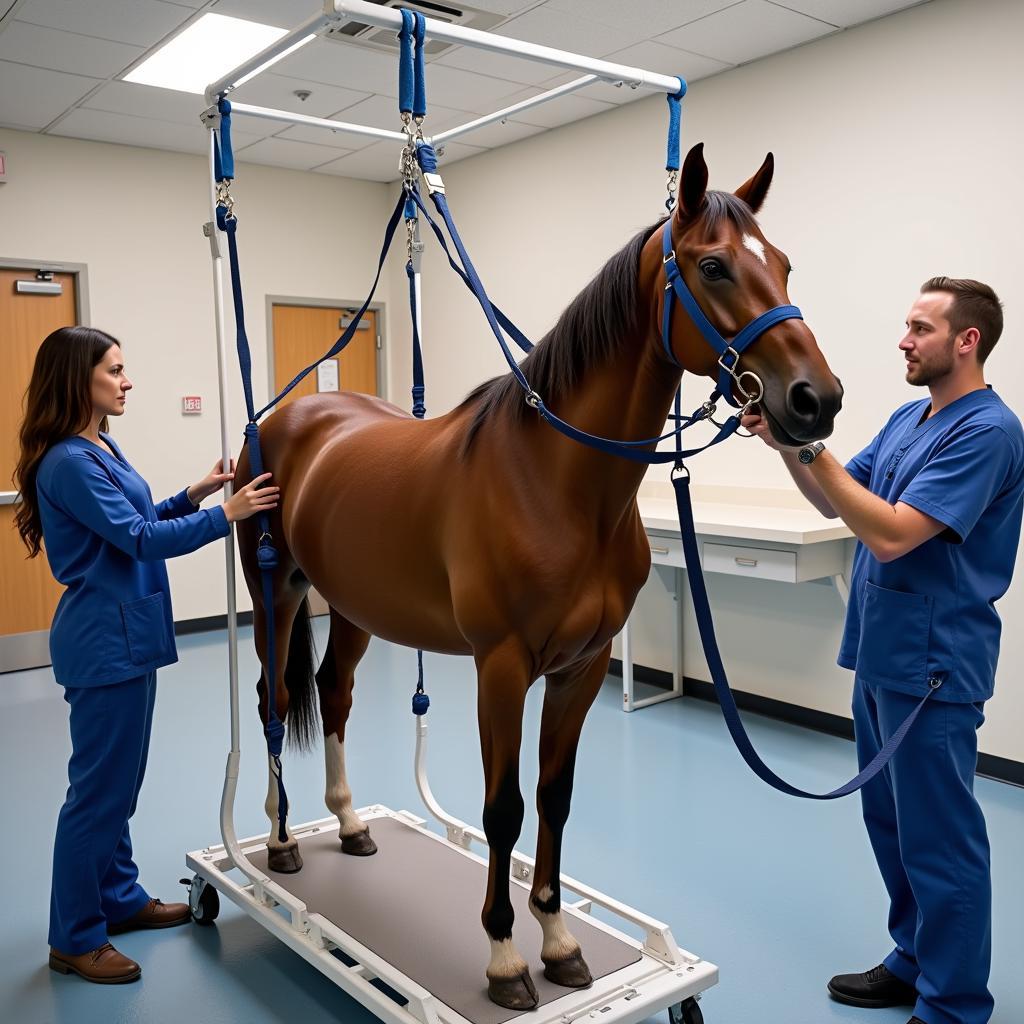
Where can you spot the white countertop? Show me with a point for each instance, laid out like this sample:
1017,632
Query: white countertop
743,514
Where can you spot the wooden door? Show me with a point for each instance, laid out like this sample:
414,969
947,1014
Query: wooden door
29,593
304,333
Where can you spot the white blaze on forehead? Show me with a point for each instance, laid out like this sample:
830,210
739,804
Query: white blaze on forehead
756,246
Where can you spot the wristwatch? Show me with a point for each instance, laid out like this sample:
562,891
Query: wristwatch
810,452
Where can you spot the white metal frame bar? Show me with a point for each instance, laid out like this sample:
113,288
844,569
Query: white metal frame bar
336,11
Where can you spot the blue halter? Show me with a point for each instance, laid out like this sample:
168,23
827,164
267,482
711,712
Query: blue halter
728,351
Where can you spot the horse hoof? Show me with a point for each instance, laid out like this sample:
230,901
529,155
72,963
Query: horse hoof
572,972
284,859
359,845
518,993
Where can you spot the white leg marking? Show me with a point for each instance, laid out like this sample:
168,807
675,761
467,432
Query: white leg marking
756,246
505,960
338,796
559,943
271,806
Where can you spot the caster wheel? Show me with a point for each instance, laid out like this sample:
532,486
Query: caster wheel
203,900
686,1012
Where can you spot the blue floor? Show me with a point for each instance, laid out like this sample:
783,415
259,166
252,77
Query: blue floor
779,893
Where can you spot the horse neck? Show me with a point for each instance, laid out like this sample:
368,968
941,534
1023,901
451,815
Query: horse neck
628,397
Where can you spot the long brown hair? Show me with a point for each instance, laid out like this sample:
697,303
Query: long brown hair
58,403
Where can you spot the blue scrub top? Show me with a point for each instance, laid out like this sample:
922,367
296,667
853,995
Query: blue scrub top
930,614
106,542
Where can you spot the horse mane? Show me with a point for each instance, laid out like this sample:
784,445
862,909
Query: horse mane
590,329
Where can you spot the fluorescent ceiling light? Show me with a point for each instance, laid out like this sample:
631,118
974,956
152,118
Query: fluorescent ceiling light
208,49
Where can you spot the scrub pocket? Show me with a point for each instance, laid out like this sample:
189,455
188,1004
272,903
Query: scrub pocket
895,634
145,626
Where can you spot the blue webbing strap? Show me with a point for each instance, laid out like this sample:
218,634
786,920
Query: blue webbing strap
419,409
223,153
675,109
350,331
266,553
419,102
706,625
405,63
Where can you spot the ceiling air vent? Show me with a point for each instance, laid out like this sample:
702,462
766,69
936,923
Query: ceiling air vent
387,39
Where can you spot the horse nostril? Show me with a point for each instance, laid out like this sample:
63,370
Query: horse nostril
802,403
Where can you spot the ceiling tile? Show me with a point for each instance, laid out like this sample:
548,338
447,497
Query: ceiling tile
103,126
746,31
169,105
455,151
138,22
64,51
33,97
500,133
281,13
277,152
514,69
657,15
666,60
325,137
346,64
843,12
464,90
505,7
573,107
585,35
378,162
278,91
382,112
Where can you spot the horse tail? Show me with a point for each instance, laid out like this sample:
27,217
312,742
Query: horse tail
303,714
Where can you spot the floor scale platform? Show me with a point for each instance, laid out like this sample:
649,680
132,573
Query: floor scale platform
410,916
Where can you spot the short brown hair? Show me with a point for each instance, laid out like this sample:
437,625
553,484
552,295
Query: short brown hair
974,305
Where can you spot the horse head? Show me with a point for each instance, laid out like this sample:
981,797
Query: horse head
735,274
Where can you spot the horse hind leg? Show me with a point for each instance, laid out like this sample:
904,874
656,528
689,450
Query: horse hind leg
567,699
293,675
335,680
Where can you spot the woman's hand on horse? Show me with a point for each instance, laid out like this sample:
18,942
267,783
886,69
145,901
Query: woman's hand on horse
211,483
252,498
755,424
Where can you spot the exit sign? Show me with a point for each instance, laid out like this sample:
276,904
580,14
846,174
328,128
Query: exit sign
191,405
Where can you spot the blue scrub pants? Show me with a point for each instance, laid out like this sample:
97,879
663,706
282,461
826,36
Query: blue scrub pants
95,880
931,844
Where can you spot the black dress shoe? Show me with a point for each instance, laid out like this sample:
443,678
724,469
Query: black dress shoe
873,989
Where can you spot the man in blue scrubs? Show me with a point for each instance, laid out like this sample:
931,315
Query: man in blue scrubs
935,501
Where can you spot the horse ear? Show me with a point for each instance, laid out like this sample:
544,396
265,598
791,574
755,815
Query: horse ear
693,183
753,191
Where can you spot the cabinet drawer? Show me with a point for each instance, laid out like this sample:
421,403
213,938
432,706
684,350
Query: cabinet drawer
666,551
757,563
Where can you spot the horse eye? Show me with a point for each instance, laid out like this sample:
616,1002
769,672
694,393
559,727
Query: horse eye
712,270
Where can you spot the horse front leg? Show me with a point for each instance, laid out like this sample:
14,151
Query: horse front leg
503,679
335,679
567,699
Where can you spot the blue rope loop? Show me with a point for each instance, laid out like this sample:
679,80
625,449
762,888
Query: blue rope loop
419,102
406,85
675,111
223,153
426,157
706,627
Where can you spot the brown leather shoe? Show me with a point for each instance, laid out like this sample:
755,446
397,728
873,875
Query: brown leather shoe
154,914
105,965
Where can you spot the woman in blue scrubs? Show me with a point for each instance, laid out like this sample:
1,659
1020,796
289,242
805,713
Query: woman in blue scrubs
106,541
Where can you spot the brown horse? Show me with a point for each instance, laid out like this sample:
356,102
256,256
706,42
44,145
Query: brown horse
485,532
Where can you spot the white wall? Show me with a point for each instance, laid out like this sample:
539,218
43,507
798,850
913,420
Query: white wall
898,151
135,217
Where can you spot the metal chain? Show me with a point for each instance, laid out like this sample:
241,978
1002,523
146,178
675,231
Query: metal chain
224,197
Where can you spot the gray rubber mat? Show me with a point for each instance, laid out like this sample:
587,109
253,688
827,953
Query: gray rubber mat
417,904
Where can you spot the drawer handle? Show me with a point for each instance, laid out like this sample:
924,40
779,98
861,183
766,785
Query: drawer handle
658,551
747,562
